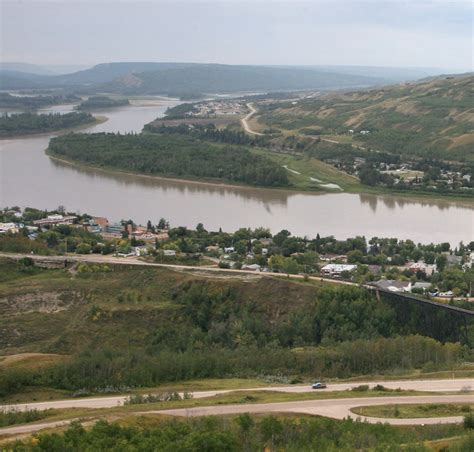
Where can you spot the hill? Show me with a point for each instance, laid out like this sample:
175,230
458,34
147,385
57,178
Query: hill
432,118
137,326
185,78
25,67
215,78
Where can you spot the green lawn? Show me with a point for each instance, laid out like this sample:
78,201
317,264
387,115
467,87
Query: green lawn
410,411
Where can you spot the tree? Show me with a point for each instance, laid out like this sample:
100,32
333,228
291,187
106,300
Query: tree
163,224
271,427
441,262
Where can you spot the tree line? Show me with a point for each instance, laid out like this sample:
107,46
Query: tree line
170,155
28,123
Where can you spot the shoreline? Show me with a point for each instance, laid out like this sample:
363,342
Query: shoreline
455,202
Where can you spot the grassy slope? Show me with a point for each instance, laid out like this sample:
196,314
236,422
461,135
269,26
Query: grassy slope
96,315
311,167
439,113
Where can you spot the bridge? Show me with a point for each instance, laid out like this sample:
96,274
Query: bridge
403,296
456,323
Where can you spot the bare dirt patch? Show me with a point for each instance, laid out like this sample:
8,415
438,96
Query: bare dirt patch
44,302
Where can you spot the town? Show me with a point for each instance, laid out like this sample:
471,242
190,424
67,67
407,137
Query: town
433,270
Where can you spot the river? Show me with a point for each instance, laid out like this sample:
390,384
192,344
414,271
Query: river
30,178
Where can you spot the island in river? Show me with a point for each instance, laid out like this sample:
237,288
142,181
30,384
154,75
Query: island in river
31,123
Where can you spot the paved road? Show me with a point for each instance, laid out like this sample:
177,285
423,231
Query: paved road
245,123
451,385
334,408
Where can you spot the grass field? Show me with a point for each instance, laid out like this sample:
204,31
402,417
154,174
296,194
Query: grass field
313,168
414,411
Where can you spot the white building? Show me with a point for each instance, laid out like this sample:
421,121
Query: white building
336,269
9,227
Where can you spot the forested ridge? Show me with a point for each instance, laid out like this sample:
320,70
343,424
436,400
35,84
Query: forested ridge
28,123
169,155
34,102
131,327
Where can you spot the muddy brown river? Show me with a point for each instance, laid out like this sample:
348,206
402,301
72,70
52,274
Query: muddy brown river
28,177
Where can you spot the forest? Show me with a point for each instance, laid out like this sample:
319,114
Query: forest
34,102
100,102
169,155
29,123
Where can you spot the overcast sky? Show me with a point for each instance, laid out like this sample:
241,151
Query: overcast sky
437,33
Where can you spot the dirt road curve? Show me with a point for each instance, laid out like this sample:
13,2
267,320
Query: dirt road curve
108,402
334,408
245,123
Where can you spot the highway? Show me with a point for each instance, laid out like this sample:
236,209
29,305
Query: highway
333,408
444,385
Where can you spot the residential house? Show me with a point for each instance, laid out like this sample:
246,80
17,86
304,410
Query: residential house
9,227
335,270
393,285
421,285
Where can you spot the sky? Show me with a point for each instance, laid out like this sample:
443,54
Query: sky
432,33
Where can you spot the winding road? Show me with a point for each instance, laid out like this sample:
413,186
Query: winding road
444,385
246,118
333,408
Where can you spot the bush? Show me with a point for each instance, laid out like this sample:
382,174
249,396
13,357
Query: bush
361,388
468,421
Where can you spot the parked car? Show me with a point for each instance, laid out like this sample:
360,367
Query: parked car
319,385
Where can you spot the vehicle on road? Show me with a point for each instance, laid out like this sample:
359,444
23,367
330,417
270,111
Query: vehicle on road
319,385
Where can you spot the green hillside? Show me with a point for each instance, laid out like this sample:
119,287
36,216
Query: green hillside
117,326
433,118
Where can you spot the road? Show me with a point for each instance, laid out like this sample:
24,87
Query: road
98,258
333,408
245,123
451,385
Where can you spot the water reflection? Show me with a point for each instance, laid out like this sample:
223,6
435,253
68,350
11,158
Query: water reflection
168,185
28,177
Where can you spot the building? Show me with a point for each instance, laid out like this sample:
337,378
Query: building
169,253
420,285
393,285
333,258
453,260
9,227
55,220
115,228
416,267
102,222
253,267
335,270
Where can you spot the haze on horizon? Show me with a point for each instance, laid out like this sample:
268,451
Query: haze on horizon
375,33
